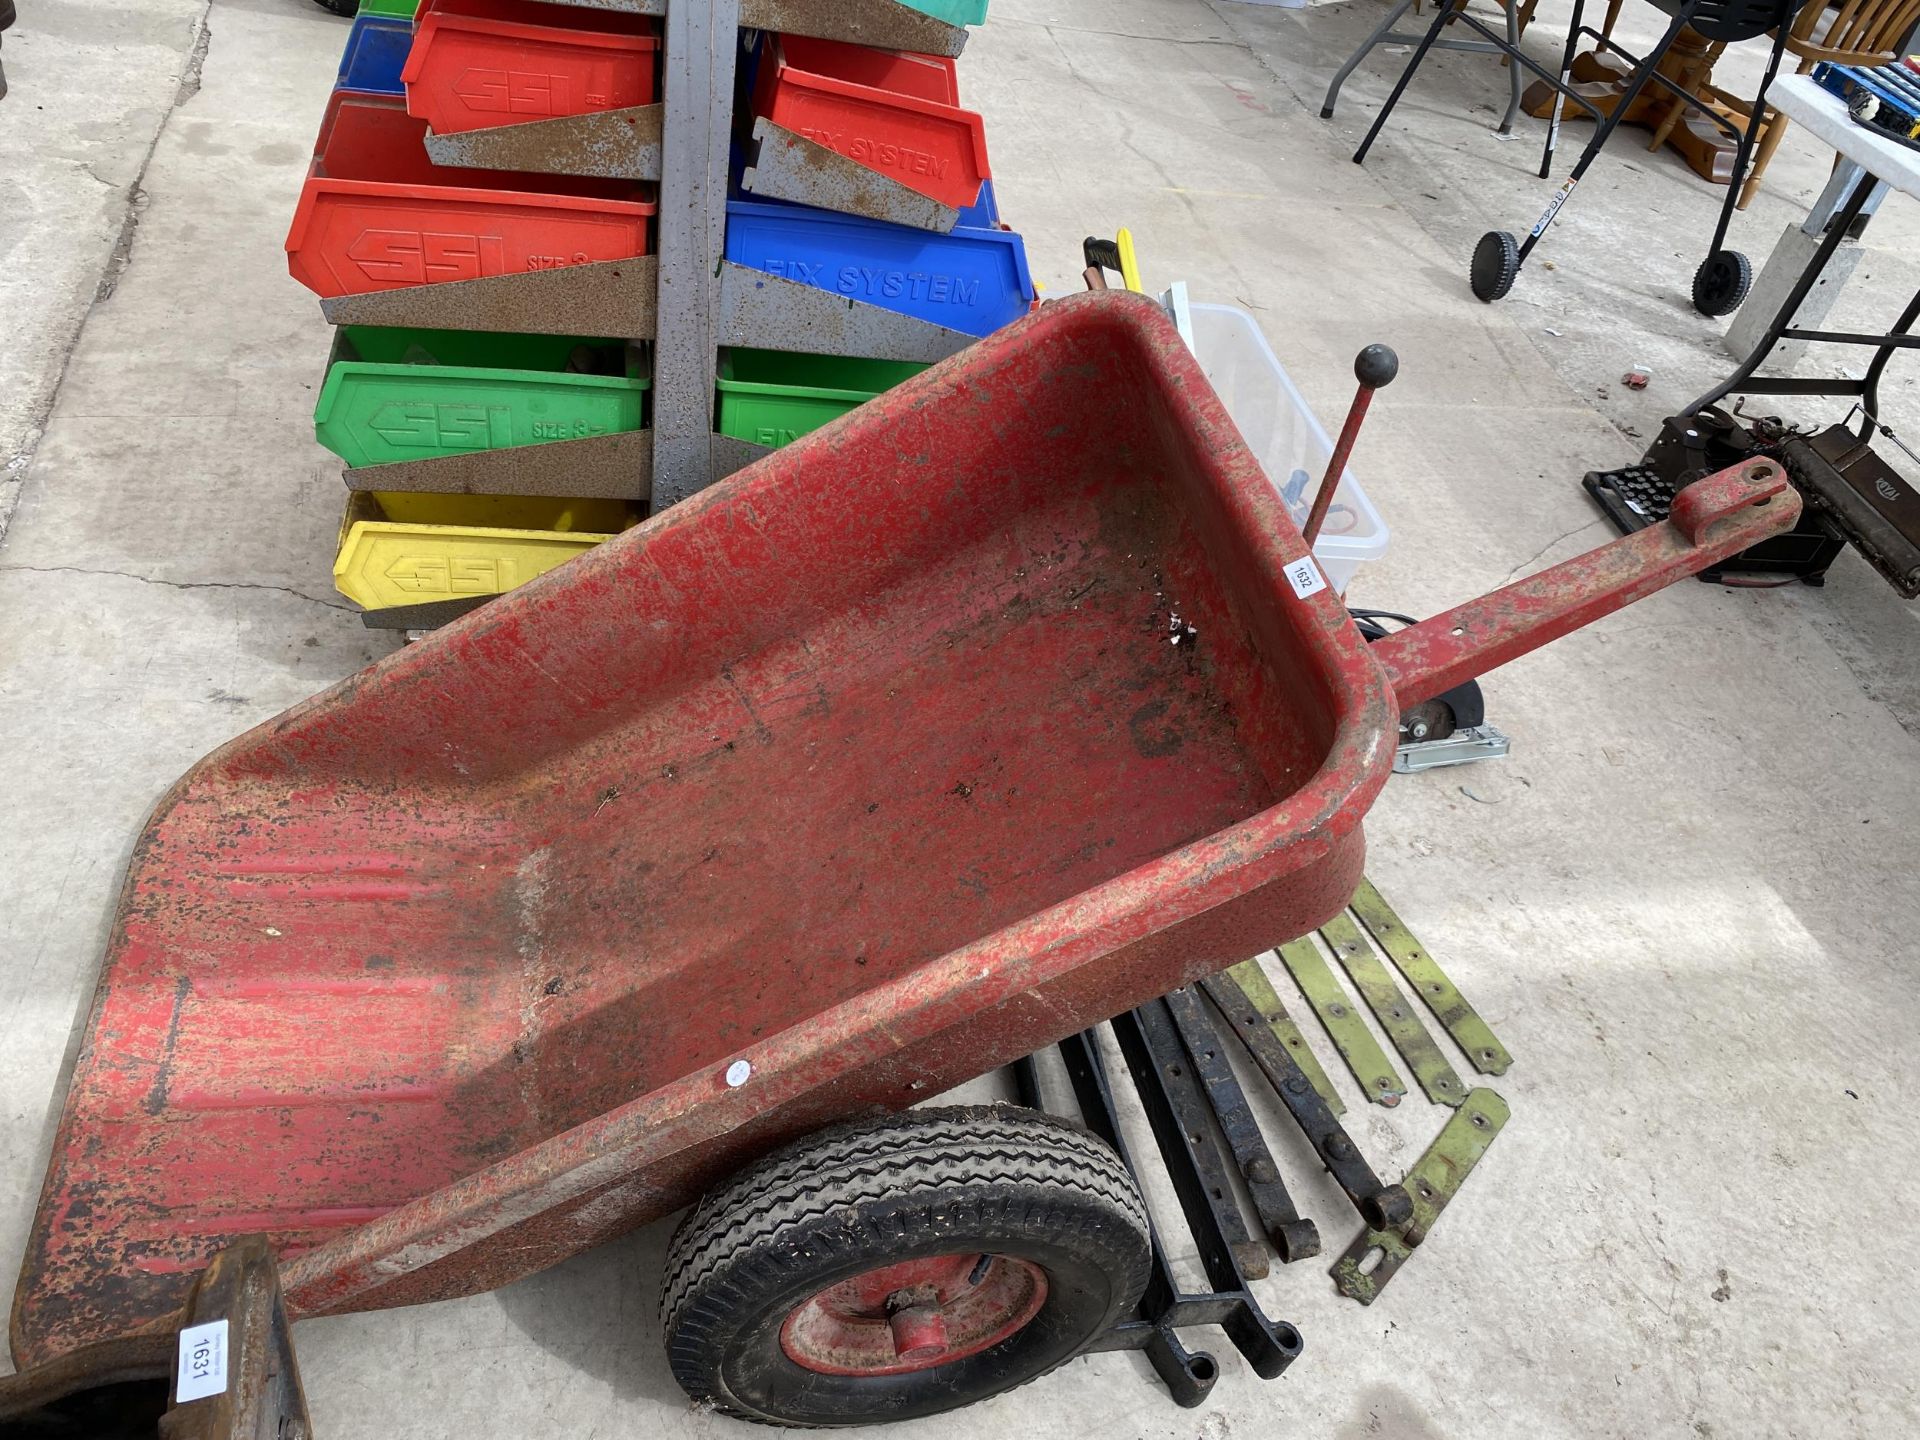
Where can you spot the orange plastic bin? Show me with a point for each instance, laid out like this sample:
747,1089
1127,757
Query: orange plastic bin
479,63
376,214
894,112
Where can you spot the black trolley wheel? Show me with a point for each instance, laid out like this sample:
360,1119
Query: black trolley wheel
1496,265
903,1267
1722,282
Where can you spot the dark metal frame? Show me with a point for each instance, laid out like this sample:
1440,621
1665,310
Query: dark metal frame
1645,70
1269,1346
1745,381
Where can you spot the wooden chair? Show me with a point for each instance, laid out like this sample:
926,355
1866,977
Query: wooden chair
1857,32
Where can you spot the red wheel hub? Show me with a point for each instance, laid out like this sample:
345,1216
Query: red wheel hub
914,1315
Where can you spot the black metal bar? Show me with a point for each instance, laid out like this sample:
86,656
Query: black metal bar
1525,60
1295,1238
1563,91
1743,150
1741,380
1384,1207
1891,341
1604,131
1442,17
1203,1180
1026,1082
1895,339
1268,1345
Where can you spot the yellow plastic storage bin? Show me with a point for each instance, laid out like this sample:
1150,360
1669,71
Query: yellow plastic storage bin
413,549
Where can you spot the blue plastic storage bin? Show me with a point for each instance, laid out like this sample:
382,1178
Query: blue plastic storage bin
973,280
984,212
376,49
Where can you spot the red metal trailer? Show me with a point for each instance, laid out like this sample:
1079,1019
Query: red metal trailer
1003,705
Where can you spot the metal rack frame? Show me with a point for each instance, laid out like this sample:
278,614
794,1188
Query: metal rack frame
685,297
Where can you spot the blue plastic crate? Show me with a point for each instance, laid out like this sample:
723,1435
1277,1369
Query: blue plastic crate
376,49
973,280
984,212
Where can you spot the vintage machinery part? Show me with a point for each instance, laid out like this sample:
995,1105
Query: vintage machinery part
1349,1033
1436,1177
1463,747
1253,983
1383,1207
1448,729
1267,1345
1160,1049
1396,1015
1294,1237
1423,973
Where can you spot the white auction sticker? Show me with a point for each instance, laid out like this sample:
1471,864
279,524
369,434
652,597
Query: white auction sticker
203,1362
1305,577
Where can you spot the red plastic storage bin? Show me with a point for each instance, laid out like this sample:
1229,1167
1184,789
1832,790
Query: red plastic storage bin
478,63
894,112
376,214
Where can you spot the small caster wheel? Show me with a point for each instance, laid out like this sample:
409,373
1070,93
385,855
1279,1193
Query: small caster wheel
1496,264
1722,282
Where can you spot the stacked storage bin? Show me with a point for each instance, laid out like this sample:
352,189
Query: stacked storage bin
478,223
900,115
411,409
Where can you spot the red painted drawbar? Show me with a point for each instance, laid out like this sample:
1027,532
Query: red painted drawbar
980,715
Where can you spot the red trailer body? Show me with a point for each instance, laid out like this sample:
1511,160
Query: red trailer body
1000,706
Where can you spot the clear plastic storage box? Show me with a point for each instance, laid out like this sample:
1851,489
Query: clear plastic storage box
1283,433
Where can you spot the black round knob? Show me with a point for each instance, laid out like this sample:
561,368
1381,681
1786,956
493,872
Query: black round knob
1376,366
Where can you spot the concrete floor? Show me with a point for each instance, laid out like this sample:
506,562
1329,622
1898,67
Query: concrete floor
1683,902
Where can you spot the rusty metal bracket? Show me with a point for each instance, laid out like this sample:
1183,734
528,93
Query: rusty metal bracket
1376,1256
598,467
1252,980
232,1333
1349,1032
1381,1206
605,297
773,313
1294,1237
784,166
619,144
1396,1016
1421,971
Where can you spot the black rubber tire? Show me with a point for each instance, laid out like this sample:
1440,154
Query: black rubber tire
1496,265
998,1179
1722,282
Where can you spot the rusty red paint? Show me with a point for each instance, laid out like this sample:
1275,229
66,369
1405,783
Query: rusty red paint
874,767
1712,519
916,1315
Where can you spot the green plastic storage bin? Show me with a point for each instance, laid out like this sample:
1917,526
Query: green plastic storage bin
403,9
954,12
394,394
772,397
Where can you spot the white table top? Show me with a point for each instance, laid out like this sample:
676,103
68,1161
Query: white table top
1825,115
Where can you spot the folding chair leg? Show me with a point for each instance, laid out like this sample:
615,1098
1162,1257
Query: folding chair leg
1512,7
1360,53
1442,17
1749,137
